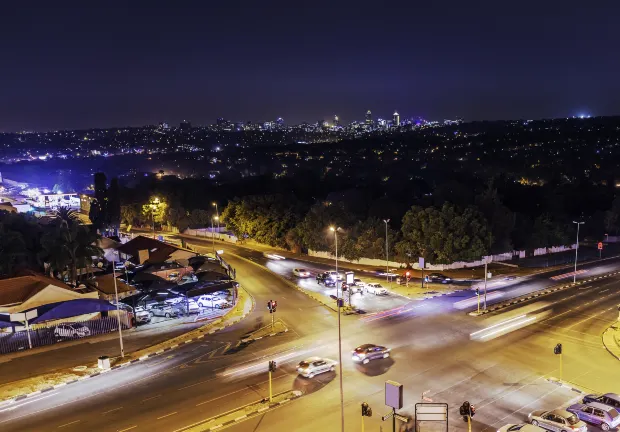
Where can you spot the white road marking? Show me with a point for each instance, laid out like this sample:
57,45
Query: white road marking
19,404
129,428
167,415
148,399
67,424
112,410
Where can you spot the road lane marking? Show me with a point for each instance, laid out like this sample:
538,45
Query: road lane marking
242,389
167,415
67,424
112,410
20,404
148,399
589,318
604,290
129,428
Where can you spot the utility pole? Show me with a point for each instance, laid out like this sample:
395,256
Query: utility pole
118,310
485,283
335,230
576,250
217,218
272,368
387,262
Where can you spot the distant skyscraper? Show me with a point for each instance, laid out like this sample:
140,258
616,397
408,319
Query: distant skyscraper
336,121
396,119
280,123
368,117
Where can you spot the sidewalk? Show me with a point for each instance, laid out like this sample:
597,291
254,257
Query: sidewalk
17,382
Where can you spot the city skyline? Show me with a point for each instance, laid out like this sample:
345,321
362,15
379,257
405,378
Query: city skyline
90,66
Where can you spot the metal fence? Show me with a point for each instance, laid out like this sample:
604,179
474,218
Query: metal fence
49,334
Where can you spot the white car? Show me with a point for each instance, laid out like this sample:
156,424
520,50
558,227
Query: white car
174,300
191,305
376,289
359,283
71,330
142,315
523,427
315,365
557,420
300,272
334,275
221,304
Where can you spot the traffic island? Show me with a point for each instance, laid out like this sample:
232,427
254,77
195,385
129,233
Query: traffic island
18,390
267,331
611,340
242,413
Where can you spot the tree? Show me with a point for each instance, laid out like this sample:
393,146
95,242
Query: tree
314,228
114,206
156,211
444,235
130,213
500,220
99,207
548,231
12,250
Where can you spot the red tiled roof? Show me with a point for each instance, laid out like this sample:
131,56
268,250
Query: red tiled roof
17,290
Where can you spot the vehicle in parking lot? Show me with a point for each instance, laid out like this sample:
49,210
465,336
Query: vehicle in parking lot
523,427
190,306
164,310
557,420
609,399
174,300
142,315
206,299
300,272
438,278
367,352
174,276
71,330
221,304
376,289
596,413
313,366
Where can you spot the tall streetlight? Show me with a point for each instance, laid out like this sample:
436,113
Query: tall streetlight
154,204
576,250
387,262
216,218
335,231
118,311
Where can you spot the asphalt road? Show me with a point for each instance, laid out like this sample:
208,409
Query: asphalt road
433,349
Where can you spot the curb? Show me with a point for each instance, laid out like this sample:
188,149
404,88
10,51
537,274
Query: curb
130,362
261,337
562,384
608,329
296,395
540,293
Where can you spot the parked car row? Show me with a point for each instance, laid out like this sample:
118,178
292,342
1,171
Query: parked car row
597,409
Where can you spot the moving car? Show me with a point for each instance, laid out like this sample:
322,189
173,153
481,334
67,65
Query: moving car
609,399
164,310
596,413
325,279
376,289
71,330
334,275
365,353
557,420
359,283
438,278
523,427
142,315
300,272
315,365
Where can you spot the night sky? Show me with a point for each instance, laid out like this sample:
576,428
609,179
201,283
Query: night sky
72,65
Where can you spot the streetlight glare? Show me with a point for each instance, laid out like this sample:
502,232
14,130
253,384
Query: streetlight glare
331,228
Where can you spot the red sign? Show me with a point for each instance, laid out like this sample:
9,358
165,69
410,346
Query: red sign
600,245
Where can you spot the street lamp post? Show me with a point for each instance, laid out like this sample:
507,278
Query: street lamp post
154,205
387,265
335,230
118,311
213,232
576,250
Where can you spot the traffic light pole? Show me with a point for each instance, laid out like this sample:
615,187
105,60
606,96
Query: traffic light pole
270,393
469,423
362,423
561,366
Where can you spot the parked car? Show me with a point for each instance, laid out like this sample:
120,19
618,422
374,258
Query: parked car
609,399
325,279
315,365
596,413
438,278
221,304
190,305
174,300
523,427
300,272
557,420
206,299
71,330
174,276
367,352
376,289
164,310
142,315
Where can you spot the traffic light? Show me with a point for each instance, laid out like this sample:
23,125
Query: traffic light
467,410
269,305
274,305
366,410
408,274
477,292
557,349
272,366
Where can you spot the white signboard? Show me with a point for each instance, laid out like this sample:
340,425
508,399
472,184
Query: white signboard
394,394
421,262
23,316
431,412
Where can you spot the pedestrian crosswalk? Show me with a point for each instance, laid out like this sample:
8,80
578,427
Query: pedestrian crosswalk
568,275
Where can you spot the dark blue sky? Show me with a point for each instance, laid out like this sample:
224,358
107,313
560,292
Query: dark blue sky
75,65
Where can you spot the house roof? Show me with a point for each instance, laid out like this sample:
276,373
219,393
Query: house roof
16,290
105,284
108,243
157,249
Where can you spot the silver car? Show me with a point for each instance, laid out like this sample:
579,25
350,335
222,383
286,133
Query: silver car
315,365
523,427
557,420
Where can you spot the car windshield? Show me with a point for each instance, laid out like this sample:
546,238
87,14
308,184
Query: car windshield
301,270
572,419
304,364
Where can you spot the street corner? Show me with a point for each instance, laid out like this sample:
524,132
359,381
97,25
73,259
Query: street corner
611,340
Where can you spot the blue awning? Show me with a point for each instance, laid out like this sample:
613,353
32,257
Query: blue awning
71,308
